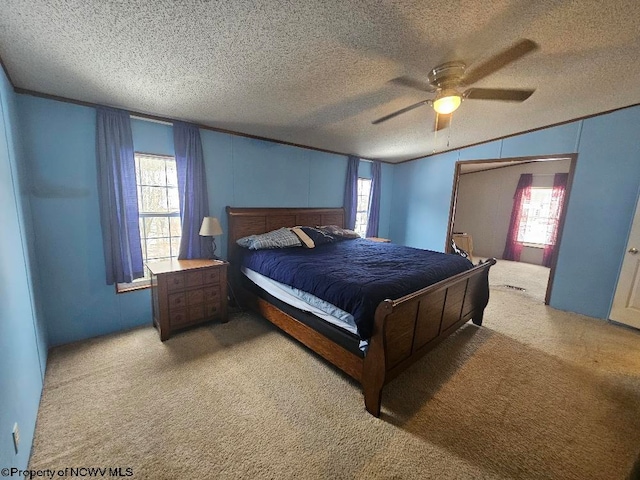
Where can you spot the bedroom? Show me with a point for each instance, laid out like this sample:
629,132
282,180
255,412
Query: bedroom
53,225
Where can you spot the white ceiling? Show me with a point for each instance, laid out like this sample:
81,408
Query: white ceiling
316,72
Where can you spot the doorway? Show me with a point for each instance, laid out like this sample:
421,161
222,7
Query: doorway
482,206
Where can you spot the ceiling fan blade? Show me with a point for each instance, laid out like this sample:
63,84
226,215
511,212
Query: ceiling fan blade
500,60
413,83
442,121
400,112
500,94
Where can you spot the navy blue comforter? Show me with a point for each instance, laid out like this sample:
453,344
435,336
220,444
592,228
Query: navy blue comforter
356,275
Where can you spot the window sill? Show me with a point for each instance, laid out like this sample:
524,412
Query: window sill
127,287
533,245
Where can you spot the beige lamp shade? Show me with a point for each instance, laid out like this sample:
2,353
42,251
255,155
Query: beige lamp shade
210,227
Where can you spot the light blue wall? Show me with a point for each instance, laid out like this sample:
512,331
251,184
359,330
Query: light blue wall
386,199
151,137
421,199
599,211
240,171
599,214
23,350
245,172
61,155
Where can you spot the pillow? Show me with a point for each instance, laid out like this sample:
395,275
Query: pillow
338,233
306,240
281,238
319,237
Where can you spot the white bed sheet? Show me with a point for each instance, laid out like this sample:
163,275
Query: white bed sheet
304,301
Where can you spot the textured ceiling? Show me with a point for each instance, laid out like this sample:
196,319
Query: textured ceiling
316,72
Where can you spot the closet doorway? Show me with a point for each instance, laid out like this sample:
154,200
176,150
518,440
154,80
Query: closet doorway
513,209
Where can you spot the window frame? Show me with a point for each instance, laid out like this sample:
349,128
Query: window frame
144,283
366,212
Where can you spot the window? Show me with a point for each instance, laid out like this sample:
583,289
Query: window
159,211
362,211
536,217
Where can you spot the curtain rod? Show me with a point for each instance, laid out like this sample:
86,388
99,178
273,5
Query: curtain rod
152,120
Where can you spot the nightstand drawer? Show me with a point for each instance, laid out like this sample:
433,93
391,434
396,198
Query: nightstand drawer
196,313
212,309
211,294
177,300
212,276
178,317
195,279
175,282
195,297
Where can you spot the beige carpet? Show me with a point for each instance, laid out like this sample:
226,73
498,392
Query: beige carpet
532,278
535,393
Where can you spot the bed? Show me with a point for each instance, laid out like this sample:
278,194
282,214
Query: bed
402,329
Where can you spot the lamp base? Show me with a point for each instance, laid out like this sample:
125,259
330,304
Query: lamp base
213,250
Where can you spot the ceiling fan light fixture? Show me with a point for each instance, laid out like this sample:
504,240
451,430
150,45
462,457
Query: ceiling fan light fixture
447,102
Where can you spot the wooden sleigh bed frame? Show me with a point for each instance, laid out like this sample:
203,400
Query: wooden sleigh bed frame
404,329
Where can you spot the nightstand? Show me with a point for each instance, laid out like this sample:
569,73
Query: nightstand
186,293
378,239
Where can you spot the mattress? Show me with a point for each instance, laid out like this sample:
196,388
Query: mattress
306,302
303,300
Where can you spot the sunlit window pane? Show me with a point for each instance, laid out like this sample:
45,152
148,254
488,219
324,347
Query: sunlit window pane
175,226
172,174
154,200
362,203
139,189
175,246
158,248
174,200
142,240
535,215
152,170
362,208
155,227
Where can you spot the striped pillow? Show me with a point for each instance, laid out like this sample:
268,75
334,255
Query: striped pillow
281,238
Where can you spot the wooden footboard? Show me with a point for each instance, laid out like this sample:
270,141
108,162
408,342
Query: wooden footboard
407,328
404,329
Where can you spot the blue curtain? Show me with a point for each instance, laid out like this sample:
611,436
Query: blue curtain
351,192
118,196
192,187
374,199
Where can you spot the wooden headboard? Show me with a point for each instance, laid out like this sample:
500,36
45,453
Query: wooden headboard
253,221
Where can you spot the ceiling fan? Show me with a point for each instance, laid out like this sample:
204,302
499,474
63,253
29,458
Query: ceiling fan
446,81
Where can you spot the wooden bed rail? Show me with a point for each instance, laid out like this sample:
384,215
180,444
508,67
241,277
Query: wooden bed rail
405,329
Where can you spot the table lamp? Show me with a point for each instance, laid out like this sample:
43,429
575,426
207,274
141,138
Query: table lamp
211,228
